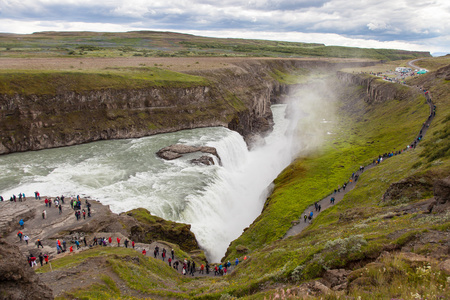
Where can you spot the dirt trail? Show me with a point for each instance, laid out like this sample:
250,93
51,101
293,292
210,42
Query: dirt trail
300,224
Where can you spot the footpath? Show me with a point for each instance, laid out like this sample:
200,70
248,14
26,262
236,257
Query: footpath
301,223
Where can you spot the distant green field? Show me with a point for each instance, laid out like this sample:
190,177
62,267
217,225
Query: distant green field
166,44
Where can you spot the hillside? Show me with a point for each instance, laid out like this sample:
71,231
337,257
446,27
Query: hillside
167,44
387,238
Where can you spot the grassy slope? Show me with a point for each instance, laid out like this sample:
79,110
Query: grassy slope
388,126
154,44
331,243
51,82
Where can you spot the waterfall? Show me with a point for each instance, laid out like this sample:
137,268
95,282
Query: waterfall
218,201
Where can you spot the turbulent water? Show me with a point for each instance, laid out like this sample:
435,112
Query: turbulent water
218,201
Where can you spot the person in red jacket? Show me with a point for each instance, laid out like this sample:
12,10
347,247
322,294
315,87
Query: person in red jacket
132,244
71,249
110,240
144,252
118,242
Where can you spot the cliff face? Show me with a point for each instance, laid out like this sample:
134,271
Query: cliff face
236,97
376,90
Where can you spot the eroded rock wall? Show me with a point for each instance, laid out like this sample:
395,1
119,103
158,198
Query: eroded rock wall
236,97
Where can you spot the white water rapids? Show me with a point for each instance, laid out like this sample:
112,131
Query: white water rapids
218,201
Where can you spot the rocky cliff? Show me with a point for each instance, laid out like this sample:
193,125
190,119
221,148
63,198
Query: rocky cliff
376,90
237,97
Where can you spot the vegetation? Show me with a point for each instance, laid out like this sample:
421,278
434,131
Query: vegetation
53,82
150,44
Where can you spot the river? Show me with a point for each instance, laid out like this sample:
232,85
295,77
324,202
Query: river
218,201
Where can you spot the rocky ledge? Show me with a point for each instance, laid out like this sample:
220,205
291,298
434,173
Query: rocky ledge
177,151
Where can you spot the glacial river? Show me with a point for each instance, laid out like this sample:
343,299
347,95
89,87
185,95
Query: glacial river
218,201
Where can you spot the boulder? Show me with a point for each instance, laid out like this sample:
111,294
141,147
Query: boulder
177,150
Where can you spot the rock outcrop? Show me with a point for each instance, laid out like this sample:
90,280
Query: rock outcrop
177,151
17,279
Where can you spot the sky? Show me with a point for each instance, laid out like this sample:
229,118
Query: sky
422,25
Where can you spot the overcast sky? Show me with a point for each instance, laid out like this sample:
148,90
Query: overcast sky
400,24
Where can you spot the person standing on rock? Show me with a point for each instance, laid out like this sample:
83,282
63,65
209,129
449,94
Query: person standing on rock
41,258
71,249
173,254
26,238
60,209
126,243
84,241
78,244
110,240
64,245
132,244
44,214
237,261
20,235
118,242
144,252
39,243
21,223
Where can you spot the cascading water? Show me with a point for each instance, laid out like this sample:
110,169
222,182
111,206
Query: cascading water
218,201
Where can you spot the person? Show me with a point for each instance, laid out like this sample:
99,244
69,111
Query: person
46,258
305,217
84,214
163,255
71,249
64,245
126,243
310,216
33,261
44,214
60,209
20,234
110,240
41,258
26,238
170,261
207,268
46,202
84,240
173,254
202,268
132,244
39,243
144,252
78,244
118,242
21,223
237,261
193,268
216,270
225,271
95,241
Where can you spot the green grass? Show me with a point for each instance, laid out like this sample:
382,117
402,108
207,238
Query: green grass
166,44
387,127
54,82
